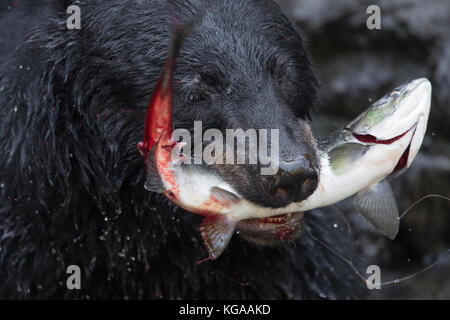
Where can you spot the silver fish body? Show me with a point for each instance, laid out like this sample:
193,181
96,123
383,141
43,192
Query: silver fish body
382,140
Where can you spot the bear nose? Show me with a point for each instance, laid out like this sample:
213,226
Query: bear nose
294,182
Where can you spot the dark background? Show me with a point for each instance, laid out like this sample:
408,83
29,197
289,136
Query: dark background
355,66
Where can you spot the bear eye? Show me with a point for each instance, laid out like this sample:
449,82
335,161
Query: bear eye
195,90
279,67
281,72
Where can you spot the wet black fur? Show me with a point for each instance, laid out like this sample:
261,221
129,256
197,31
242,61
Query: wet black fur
72,106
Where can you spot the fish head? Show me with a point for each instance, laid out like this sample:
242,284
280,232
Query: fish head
401,111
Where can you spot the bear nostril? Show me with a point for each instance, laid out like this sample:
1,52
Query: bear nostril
287,187
306,185
309,184
282,194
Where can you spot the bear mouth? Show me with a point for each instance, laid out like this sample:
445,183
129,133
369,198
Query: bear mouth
272,231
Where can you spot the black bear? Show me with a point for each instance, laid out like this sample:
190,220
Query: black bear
72,104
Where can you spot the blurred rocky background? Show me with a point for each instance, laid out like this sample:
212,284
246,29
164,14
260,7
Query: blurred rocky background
356,66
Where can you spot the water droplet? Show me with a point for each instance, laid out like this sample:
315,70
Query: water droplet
335,225
15,109
21,67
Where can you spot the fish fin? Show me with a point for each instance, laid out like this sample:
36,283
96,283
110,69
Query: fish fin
154,182
377,204
342,157
224,195
216,233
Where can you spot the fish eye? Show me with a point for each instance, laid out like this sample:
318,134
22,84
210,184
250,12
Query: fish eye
394,94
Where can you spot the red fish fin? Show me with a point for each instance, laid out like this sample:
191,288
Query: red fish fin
216,233
158,119
154,182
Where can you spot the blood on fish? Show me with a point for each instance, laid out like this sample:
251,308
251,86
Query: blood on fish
217,202
286,232
368,138
403,160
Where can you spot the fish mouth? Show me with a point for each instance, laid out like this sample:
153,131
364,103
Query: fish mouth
272,231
